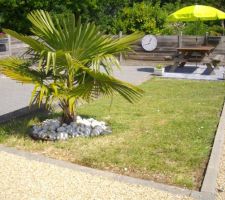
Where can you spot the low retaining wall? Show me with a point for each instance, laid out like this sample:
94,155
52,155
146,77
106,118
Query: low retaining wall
167,47
21,113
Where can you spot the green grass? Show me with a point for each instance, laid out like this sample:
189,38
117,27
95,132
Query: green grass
167,136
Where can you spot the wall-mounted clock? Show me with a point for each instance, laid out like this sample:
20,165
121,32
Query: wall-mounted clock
149,42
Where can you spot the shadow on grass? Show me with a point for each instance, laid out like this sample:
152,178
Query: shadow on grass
21,126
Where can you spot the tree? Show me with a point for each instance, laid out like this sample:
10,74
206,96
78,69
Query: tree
107,11
143,16
110,15
64,62
13,13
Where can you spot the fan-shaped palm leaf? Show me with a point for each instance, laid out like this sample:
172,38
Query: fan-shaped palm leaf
18,69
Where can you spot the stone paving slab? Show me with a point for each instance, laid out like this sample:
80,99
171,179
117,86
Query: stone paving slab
190,71
194,72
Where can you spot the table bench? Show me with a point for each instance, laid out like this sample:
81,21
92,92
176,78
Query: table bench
213,62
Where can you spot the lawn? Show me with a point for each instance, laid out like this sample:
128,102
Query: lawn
166,136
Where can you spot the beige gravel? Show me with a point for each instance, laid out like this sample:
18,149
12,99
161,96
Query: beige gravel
221,178
22,179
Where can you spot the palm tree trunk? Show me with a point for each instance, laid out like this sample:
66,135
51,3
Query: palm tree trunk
68,116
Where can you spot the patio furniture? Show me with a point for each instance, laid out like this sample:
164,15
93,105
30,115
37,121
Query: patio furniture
217,59
212,63
194,13
191,54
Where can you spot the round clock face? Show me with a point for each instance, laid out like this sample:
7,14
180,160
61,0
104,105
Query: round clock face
149,42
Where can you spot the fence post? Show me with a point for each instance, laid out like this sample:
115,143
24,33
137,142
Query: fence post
121,56
180,39
206,38
223,41
222,24
9,43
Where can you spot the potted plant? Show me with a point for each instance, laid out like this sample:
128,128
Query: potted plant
159,70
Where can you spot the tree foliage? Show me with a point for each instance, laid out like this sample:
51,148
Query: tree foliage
13,12
141,16
111,15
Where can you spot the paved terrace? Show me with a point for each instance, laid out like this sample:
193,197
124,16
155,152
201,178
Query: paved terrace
15,95
190,71
193,72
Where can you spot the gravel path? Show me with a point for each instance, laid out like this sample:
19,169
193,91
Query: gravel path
221,177
32,180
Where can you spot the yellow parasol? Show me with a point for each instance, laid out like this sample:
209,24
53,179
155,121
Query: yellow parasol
196,13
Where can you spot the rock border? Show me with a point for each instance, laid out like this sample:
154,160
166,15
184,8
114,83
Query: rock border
52,129
207,191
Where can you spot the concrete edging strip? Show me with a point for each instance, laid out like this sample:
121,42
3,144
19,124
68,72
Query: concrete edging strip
209,182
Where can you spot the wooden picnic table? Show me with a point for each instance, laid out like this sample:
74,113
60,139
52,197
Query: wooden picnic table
191,54
200,49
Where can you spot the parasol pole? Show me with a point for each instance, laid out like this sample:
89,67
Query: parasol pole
196,39
222,24
196,26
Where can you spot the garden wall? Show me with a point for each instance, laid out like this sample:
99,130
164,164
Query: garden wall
166,47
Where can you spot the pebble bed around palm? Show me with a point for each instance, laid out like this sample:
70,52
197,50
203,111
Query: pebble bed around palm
53,129
166,136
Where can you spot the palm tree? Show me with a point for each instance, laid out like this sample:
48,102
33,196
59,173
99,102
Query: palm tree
64,61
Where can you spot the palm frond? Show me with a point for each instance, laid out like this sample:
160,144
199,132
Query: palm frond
96,81
85,41
107,61
32,42
18,69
